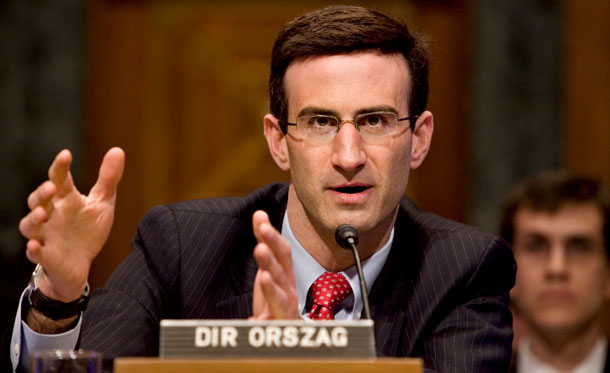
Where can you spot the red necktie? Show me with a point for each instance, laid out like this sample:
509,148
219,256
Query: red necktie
328,291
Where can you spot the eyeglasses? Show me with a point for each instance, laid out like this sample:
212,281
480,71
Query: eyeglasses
372,127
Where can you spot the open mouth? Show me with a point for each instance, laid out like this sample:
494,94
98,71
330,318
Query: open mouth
351,189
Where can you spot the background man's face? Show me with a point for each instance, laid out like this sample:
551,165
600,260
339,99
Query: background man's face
563,276
348,180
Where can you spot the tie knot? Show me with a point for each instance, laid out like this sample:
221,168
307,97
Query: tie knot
328,291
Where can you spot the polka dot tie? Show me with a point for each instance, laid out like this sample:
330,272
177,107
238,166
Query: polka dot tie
328,291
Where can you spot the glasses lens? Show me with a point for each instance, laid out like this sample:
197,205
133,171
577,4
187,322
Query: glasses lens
317,126
377,124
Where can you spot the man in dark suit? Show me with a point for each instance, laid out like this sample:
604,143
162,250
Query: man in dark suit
348,92
559,226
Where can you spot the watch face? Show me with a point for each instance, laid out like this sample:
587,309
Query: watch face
36,275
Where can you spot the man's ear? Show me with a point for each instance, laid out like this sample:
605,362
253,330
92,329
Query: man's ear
421,139
276,140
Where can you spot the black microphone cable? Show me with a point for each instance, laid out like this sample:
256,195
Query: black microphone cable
347,237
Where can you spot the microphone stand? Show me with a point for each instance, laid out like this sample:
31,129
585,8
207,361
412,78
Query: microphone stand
347,237
363,291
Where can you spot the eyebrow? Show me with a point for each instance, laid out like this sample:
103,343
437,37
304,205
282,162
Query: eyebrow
373,109
315,110
580,237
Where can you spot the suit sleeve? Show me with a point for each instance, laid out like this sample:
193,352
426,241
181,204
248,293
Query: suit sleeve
122,319
475,333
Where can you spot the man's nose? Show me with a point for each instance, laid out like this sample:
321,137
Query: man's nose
557,261
348,148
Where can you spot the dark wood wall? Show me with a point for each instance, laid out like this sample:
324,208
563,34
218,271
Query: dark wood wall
587,88
182,87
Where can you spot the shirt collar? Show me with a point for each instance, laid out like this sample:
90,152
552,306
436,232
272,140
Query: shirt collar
308,270
528,362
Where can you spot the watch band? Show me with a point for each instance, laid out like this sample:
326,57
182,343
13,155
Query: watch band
55,309
52,308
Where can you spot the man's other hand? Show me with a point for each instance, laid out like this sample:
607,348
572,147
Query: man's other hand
275,294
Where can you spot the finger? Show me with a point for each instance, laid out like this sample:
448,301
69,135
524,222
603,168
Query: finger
59,173
278,245
268,262
109,175
277,300
31,223
265,232
263,315
33,251
278,286
42,195
258,300
282,302
260,306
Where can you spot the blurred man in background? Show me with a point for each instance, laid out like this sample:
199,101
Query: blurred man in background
559,226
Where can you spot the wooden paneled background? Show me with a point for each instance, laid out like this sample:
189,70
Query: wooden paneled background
182,87
587,87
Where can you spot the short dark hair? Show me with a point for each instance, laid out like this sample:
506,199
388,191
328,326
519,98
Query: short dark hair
342,29
552,190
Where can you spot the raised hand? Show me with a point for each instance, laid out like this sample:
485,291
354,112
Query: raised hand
275,295
66,229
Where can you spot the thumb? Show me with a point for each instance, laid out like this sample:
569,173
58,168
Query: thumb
109,175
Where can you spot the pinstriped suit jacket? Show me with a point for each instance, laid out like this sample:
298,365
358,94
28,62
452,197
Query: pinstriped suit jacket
442,295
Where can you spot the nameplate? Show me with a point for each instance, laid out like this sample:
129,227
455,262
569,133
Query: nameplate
261,339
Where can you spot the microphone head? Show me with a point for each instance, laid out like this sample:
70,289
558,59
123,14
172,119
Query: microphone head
345,235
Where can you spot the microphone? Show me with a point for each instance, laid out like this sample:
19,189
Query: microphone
347,237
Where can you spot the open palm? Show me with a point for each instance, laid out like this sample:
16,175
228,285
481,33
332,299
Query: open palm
66,229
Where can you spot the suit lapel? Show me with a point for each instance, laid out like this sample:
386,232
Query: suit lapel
237,299
393,289
240,304
242,265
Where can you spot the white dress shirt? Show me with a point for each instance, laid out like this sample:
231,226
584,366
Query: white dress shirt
527,362
309,270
